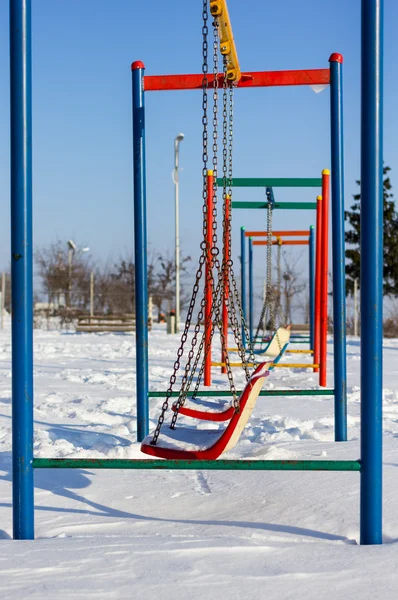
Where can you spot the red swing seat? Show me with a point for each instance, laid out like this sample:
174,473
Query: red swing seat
189,443
206,410
210,411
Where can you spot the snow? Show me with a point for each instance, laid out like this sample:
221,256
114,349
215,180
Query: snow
189,534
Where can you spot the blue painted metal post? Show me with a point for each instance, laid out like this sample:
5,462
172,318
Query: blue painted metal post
371,271
251,290
311,260
243,280
338,248
140,251
21,269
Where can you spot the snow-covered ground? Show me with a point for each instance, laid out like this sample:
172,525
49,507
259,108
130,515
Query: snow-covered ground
188,534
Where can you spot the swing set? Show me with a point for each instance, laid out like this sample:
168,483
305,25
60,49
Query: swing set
315,286
279,241
370,464
276,347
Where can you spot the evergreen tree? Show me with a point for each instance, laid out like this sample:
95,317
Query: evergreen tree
390,227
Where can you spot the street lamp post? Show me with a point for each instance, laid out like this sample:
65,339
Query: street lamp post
72,249
177,141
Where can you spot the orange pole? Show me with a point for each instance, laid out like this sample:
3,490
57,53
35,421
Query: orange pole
282,242
209,291
227,253
324,277
303,233
318,259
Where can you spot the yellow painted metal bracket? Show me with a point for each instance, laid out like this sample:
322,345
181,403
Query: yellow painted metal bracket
274,365
287,351
219,10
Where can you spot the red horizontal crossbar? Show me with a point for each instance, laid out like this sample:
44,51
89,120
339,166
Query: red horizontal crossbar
282,243
286,233
155,83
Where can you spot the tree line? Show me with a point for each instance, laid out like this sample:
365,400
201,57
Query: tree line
65,281
390,234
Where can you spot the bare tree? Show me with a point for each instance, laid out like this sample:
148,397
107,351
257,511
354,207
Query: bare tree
61,280
114,285
161,280
7,298
292,285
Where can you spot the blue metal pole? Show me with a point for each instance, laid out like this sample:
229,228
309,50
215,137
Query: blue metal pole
371,280
21,269
338,248
243,280
140,251
311,260
251,289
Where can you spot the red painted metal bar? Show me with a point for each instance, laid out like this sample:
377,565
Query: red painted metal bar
227,252
208,280
282,242
156,83
299,233
324,276
318,258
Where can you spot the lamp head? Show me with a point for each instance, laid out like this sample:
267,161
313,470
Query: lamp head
179,137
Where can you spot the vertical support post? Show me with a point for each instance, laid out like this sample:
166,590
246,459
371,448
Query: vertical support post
70,265
318,263
311,260
91,294
324,277
208,278
371,271
356,307
243,280
338,248
140,250
251,290
3,299
21,269
177,141
227,256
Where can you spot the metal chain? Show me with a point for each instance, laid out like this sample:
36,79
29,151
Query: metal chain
238,336
273,295
262,324
213,252
205,84
230,137
203,246
278,283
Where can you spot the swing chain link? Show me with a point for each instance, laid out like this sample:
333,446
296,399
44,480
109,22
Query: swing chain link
264,323
210,251
203,245
273,292
205,83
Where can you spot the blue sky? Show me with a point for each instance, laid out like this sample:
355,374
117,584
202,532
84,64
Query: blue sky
82,51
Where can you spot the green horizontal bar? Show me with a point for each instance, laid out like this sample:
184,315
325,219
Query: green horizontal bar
277,205
227,393
211,465
272,182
